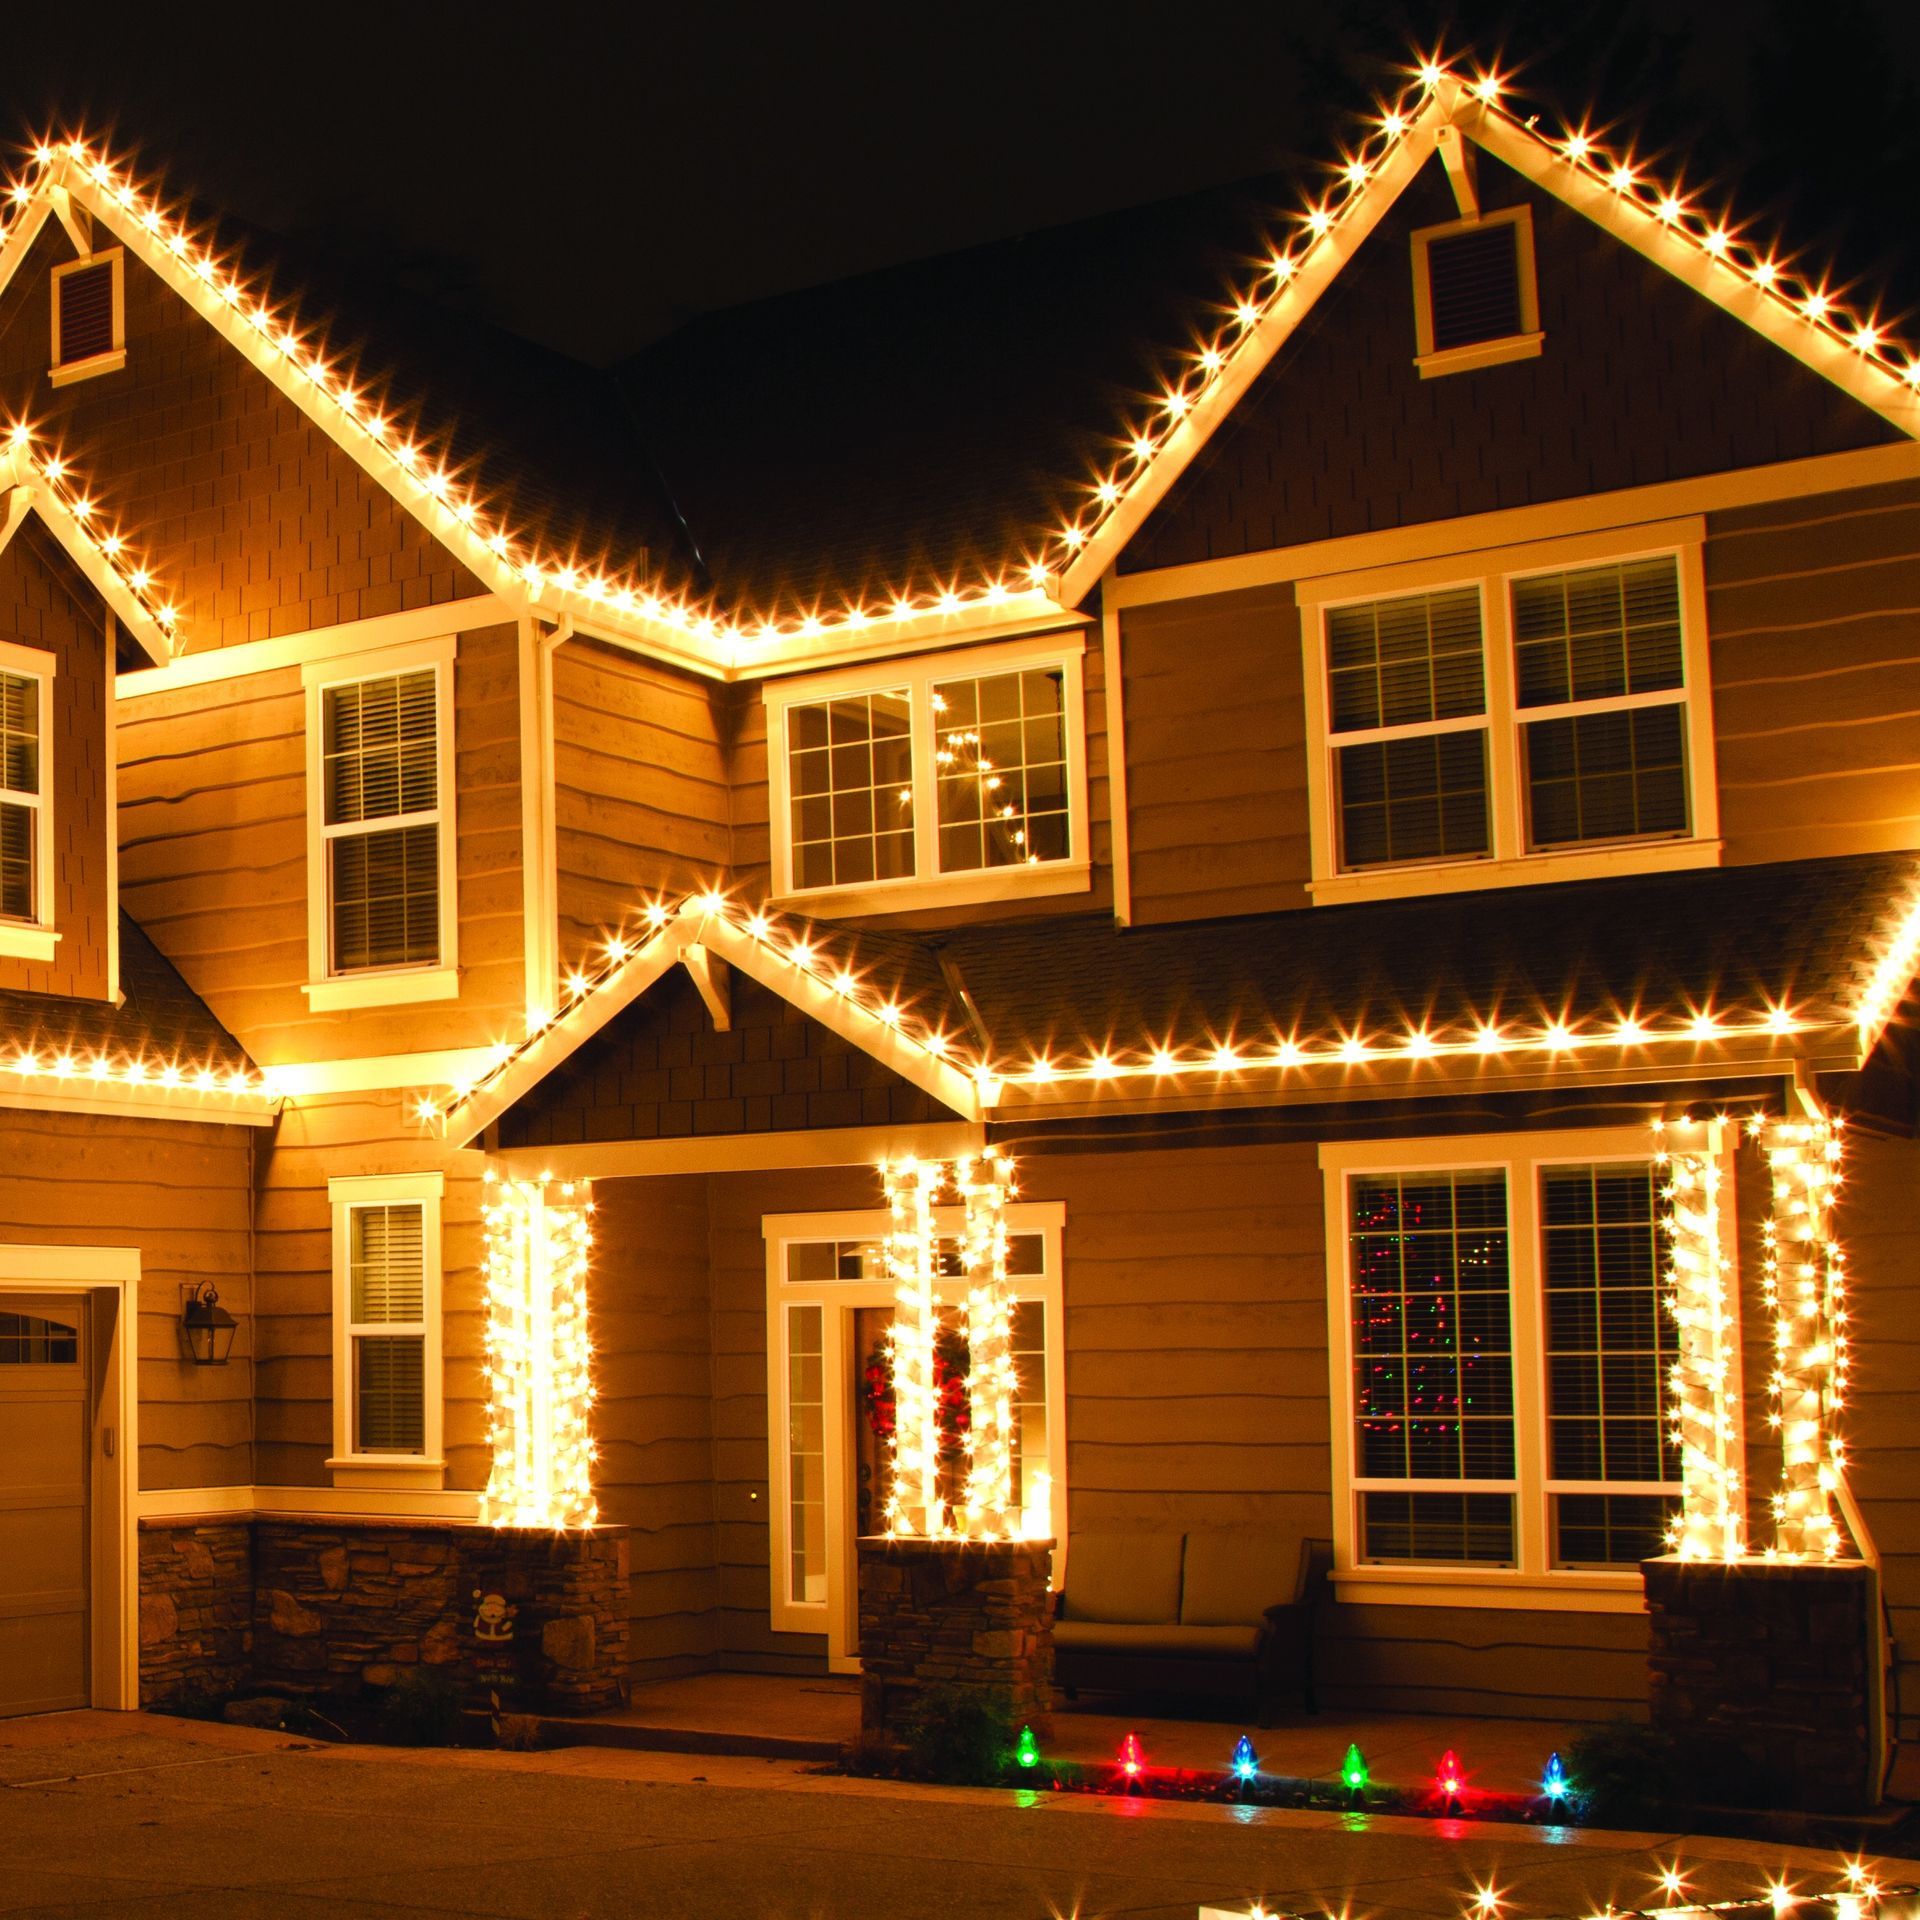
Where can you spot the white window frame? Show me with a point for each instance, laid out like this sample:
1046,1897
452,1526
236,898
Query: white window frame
35,939
325,989
835,1616
916,676
1533,1582
1524,345
427,1468
1509,863
63,373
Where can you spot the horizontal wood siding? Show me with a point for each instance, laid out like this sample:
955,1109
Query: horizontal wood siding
753,843
351,1134
213,857
178,1192
653,1410
1216,756
46,605
252,522
641,807
1814,612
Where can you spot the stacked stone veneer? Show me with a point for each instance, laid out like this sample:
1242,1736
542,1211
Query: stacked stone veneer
1778,1659
338,1606
196,1609
949,1613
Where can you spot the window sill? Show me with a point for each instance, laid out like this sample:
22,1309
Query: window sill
111,362
18,942
398,1472
1530,870
383,989
1494,1587
1483,353
947,890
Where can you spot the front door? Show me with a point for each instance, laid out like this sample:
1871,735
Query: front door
44,1427
830,1303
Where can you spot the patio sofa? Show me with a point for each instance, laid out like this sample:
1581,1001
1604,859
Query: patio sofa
1220,1613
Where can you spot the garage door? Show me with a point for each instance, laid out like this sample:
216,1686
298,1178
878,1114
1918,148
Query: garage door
43,1504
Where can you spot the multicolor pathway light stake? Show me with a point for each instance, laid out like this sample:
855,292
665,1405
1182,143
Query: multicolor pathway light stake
1353,1770
1246,1763
1027,1754
1554,1784
1449,1782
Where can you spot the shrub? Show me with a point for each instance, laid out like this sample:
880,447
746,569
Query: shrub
421,1709
1625,1772
960,1736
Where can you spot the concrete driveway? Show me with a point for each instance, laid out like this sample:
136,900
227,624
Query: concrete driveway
108,1814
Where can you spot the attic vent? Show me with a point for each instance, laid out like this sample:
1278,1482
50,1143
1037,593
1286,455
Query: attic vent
1474,298
1473,280
88,318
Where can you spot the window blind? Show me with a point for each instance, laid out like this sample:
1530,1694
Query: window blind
387,1265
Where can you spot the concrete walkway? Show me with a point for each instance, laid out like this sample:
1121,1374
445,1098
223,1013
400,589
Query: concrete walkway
125,1815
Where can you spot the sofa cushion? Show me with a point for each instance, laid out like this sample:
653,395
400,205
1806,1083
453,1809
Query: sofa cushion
1166,1641
1233,1577
1129,1577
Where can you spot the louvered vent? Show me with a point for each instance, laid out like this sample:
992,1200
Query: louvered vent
1473,280
86,313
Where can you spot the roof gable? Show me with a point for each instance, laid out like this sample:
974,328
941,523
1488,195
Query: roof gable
1639,381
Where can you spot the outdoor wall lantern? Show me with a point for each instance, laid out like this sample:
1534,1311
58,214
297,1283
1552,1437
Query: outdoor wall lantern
207,1328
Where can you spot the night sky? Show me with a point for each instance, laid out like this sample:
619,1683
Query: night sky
590,177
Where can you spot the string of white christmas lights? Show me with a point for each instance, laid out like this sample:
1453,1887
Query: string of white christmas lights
1789,295
1703,1382
1804,1279
985,1185
539,1355
916,1507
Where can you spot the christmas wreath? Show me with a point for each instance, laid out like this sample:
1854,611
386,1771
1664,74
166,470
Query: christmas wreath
950,1363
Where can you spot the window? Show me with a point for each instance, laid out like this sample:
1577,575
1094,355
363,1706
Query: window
89,317
1475,300
26,810
380,829
933,781
1501,1351
829,1303
386,1371
1531,720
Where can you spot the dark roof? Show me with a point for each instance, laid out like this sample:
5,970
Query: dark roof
829,438
1667,946
161,1019
551,446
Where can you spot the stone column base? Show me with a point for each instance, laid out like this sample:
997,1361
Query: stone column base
1781,1660
955,1613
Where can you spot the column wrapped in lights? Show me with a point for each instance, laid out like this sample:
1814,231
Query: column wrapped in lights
1703,1382
539,1238
1804,1280
915,1506
985,1183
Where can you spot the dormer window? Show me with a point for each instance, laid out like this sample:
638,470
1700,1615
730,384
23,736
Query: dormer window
89,317
1475,301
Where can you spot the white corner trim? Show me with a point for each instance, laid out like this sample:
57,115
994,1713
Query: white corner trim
429,1183
745,1152
19,941
161,1504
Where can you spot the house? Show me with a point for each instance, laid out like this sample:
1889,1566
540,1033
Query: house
1461,716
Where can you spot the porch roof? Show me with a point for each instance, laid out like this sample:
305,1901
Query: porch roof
1720,972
